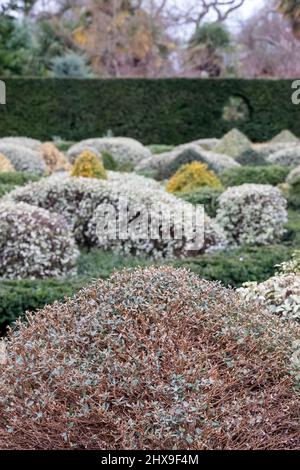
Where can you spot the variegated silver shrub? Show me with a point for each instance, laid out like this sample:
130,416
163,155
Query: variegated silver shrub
289,156
81,201
122,149
252,214
23,158
34,243
281,293
164,165
31,144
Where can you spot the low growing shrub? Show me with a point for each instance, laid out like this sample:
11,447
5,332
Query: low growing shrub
205,196
272,174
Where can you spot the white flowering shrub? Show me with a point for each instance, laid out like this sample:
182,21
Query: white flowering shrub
34,243
81,201
280,295
122,149
252,214
289,156
23,159
32,144
166,164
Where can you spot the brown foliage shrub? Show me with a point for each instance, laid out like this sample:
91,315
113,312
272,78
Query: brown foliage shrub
150,359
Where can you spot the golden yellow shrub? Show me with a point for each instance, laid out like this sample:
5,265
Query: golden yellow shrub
88,165
54,159
192,176
5,165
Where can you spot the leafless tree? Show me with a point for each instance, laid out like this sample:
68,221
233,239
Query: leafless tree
268,47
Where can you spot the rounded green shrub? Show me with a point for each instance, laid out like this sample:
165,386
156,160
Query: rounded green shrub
205,196
273,174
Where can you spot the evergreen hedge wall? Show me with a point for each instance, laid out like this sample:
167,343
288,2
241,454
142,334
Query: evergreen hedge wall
168,111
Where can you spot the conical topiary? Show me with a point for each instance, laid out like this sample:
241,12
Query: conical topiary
88,165
234,143
285,137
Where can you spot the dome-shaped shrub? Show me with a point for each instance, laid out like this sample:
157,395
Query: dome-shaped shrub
5,165
54,159
191,177
31,144
150,359
252,214
88,165
281,293
23,159
34,243
289,156
82,200
163,166
122,149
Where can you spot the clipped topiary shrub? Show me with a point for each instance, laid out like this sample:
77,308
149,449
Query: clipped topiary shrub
165,165
252,157
146,360
252,214
192,176
31,144
88,165
84,202
122,149
285,137
23,159
234,143
281,293
5,165
158,149
289,156
205,196
293,179
54,159
272,174
34,243
108,161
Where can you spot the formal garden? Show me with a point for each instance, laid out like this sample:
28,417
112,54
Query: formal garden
134,343
149,231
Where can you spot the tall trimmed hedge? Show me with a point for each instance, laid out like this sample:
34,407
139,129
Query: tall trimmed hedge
169,111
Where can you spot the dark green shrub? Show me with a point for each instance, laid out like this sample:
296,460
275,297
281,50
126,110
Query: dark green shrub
206,196
17,178
108,161
19,296
252,157
235,267
157,149
272,174
8,181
